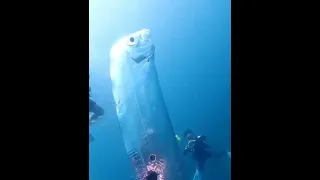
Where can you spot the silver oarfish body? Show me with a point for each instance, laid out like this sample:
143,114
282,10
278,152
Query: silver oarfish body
143,117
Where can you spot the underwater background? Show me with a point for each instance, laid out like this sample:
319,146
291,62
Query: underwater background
193,60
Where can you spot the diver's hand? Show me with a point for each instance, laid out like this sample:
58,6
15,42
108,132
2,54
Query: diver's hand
229,154
93,121
90,119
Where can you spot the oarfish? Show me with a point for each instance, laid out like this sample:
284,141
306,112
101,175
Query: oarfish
143,118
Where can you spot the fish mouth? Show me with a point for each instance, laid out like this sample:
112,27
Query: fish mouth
143,56
141,47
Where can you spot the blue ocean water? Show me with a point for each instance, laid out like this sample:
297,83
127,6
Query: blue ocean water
193,58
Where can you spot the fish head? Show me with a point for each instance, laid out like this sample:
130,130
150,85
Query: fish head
138,46
134,51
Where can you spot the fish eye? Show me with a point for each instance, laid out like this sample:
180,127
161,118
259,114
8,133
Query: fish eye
132,41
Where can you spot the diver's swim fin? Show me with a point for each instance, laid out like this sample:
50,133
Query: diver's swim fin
197,175
91,138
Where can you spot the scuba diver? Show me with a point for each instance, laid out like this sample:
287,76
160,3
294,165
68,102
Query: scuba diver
200,150
95,110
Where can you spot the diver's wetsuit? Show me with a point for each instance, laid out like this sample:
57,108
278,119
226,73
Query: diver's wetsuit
91,105
201,152
94,108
